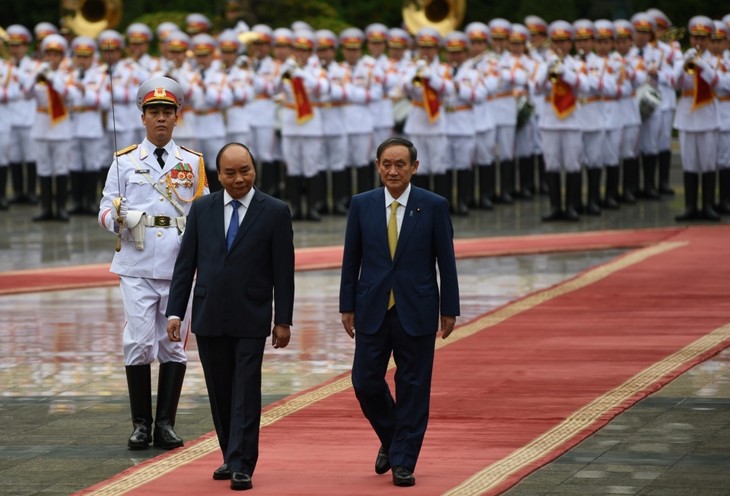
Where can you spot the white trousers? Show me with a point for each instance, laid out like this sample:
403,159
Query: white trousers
89,154
52,157
562,148
302,154
699,151
145,332
485,150
460,152
21,146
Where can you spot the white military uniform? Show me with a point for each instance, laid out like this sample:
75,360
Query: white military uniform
91,150
210,127
145,274
22,113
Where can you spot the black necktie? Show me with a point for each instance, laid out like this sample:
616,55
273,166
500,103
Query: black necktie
160,160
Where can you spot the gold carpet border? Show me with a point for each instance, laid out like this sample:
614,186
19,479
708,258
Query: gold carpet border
155,470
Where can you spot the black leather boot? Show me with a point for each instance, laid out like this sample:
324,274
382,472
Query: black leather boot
77,192
365,178
594,192
91,193
723,207
542,187
648,164
691,190
16,171
610,199
573,183
442,186
294,195
169,386
527,177
630,173
46,200
340,191
665,163
708,196
266,176
61,198
487,178
553,182
3,187
506,182
140,400
314,195
320,204
464,191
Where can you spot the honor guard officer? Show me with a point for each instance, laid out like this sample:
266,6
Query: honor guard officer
210,126
302,84
649,58
142,66
599,84
334,126
22,113
720,42
560,81
43,29
147,195
163,31
52,130
539,49
671,52
630,78
519,38
364,87
698,120
181,70
9,92
262,109
239,77
122,87
376,36
503,106
399,42
427,84
610,110
91,147
459,116
484,62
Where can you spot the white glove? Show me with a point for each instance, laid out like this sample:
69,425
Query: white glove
299,72
690,54
123,209
426,73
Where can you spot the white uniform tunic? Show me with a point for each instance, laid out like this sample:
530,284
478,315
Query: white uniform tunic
611,112
262,109
9,93
428,137
238,127
363,87
302,141
722,92
561,135
53,140
334,126
210,127
92,147
145,274
697,126
22,113
629,79
382,109
644,59
483,120
503,105
670,54
600,84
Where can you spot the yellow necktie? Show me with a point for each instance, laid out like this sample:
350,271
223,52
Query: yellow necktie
392,242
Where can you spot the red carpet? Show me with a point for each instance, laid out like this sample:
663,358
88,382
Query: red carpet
512,389
330,257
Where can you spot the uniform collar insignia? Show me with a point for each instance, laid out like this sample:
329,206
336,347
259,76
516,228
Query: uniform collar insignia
143,152
178,153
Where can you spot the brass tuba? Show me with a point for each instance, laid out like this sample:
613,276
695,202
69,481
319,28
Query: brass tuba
90,17
443,15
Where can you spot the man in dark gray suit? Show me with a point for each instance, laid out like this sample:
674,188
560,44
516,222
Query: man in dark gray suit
240,242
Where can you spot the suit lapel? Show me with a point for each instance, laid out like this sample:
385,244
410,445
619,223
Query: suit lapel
410,219
376,215
218,220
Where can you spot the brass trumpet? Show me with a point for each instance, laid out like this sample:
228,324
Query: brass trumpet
690,65
289,63
421,66
553,72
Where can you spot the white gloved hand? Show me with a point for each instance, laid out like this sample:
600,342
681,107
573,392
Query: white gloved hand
690,54
123,209
426,73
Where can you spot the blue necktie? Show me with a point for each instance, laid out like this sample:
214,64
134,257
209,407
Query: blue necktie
233,226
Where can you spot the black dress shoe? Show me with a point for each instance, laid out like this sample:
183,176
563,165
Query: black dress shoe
382,462
403,477
140,438
240,481
222,472
166,438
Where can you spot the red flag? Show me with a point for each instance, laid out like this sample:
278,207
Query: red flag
431,102
56,108
702,93
562,99
302,104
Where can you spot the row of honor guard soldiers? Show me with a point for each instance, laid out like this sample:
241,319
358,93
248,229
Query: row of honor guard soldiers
500,100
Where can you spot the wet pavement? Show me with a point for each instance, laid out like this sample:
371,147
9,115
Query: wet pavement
63,402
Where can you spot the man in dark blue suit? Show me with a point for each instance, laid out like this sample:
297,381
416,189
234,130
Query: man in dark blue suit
395,238
240,242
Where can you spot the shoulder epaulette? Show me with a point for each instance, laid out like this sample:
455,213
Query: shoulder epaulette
199,154
124,151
